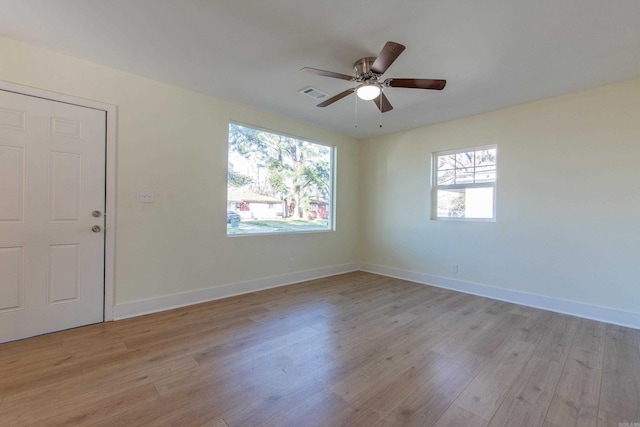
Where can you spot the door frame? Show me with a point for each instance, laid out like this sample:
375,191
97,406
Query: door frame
110,178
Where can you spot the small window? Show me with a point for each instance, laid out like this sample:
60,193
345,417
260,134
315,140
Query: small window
276,181
464,184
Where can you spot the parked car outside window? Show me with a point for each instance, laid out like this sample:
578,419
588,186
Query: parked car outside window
232,216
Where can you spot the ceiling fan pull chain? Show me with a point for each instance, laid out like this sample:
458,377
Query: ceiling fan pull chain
380,109
356,117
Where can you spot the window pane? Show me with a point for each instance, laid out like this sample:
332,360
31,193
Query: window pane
486,157
446,177
466,168
464,176
447,162
465,160
485,174
277,183
479,202
450,204
465,203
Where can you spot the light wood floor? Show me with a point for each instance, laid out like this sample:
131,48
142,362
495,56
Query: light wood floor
356,349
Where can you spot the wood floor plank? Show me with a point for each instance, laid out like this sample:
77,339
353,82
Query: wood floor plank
576,398
555,344
432,398
535,328
356,349
577,394
266,406
621,374
46,401
389,392
486,392
40,344
607,419
527,401
590,335
375,370
81,412
310,410
160,412
488,341
349,417
455,416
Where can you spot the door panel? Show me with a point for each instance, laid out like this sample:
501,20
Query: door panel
52,177
12,188
64,265
11,278
64,186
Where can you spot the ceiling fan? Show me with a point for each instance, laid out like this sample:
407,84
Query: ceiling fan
368,73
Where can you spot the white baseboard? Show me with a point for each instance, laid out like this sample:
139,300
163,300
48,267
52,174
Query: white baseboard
587,311
153,305
593,312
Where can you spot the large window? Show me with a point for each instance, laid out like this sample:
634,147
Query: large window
464,184
277,183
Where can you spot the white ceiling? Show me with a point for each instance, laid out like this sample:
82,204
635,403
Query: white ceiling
493,53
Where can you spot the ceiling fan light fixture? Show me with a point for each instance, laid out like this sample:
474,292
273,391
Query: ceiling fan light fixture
368,92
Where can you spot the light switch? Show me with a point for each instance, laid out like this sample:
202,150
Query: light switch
147,197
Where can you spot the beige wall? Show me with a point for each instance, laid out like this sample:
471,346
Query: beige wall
567,209
174,142
568,200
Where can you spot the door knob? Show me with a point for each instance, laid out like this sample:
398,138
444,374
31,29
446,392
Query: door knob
96,214
96,229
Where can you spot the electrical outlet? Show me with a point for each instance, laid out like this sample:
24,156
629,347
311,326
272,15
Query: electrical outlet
454,268
292,262
147,197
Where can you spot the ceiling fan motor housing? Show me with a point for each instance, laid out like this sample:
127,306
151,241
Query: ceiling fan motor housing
363,69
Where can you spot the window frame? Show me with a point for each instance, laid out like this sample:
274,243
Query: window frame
333,152
435,187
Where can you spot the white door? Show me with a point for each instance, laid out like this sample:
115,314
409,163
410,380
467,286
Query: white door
52,179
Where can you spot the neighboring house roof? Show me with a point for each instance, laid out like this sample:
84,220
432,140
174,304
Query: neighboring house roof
318,202
251,198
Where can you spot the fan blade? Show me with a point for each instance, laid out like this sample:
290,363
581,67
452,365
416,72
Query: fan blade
416,83
388,54
386,105
338,97
327,73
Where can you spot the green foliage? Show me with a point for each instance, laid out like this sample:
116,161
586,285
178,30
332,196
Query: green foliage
237,180
459,204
